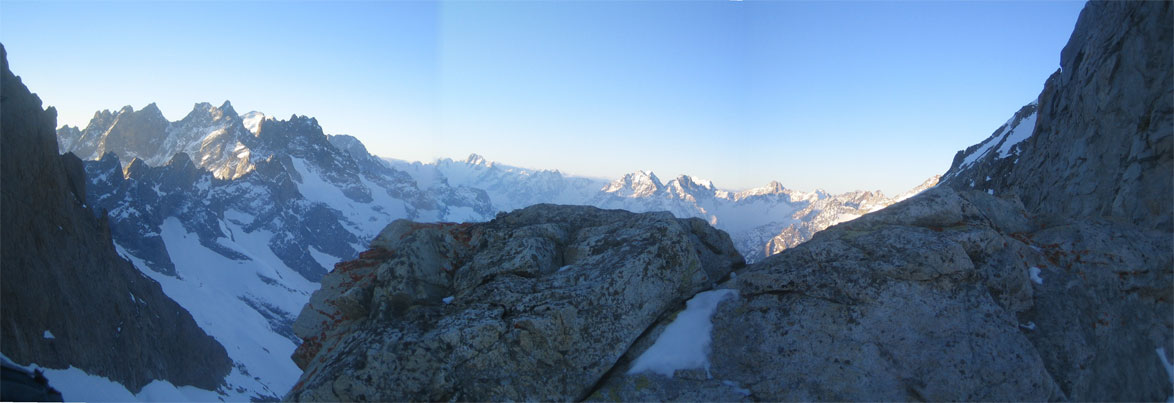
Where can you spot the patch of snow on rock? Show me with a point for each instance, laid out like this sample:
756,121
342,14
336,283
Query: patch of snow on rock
737,388
685,342
1022,131
1034,273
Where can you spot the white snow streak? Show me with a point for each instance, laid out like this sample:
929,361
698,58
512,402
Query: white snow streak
1034,273
1022,131
685,342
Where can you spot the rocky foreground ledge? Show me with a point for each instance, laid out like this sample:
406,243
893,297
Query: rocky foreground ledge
950,295
537,304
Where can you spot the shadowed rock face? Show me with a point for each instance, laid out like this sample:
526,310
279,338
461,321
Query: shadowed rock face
62,276
1103,143
537,304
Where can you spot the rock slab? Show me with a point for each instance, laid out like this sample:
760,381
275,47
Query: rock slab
537,304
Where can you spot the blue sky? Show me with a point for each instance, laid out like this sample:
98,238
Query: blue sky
835,95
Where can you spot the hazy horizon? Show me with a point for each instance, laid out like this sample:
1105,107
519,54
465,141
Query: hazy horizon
837,96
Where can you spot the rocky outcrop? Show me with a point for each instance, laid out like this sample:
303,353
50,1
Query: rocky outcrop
1041,270
951,295
1103,143
537,304
68,299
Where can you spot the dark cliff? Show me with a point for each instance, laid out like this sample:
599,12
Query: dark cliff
62,276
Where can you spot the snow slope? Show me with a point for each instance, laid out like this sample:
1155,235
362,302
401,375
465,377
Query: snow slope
77,385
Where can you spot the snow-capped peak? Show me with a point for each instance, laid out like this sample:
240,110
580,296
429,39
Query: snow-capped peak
773,188
697,182
252,121
648,176
205,111
152,109
226,108
637,184
477,160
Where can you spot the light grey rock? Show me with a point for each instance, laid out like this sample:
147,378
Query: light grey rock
930,300
887,307
537,304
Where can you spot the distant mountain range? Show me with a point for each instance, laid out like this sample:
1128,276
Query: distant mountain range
762,221
251,211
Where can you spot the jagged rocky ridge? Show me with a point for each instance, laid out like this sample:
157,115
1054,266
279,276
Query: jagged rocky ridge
67,298
1052,279
216,134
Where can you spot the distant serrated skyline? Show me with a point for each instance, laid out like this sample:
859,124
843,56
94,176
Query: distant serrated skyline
830,95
